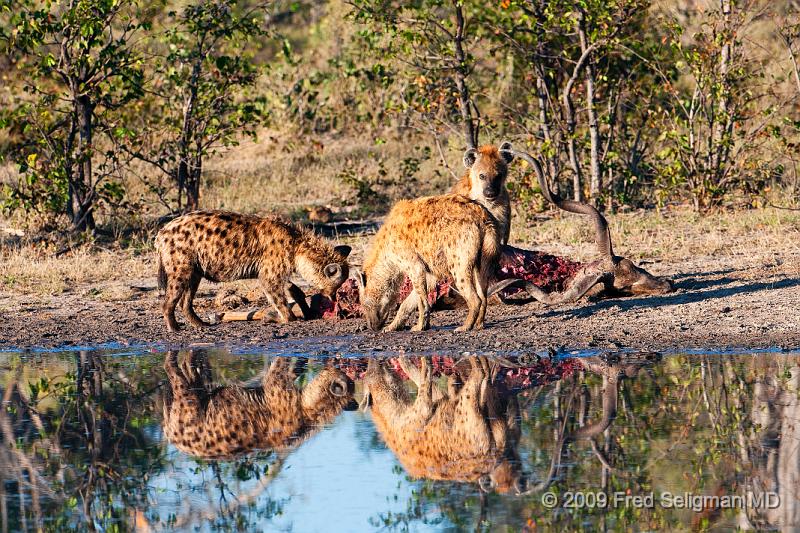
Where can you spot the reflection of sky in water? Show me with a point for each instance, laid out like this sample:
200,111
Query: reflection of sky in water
336,481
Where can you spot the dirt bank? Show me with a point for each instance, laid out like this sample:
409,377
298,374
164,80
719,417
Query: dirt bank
736,301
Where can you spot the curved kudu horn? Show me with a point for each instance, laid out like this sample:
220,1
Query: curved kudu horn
602,233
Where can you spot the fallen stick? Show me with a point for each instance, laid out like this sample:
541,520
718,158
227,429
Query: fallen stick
268,315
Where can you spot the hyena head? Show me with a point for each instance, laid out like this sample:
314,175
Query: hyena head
328,270
376,302
488,168
328,394
506,477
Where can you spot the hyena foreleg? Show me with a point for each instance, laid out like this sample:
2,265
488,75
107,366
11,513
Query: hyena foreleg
406,308
299,298
481,287
275,290
417,298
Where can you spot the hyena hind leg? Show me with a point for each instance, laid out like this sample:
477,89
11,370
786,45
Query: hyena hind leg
176,286
470,294
188,298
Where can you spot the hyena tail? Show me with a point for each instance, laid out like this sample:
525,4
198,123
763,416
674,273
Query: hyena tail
162,276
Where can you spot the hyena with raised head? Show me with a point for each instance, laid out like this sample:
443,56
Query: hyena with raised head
430,239
224,246
485,182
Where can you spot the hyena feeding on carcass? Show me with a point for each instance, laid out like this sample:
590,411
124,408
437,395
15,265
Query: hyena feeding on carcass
213,421
430,239
223,246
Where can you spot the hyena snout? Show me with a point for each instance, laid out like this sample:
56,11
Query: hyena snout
375,318
491,192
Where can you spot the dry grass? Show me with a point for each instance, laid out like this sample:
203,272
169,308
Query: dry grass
30,271
286,174
670,237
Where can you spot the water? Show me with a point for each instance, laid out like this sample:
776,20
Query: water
578,441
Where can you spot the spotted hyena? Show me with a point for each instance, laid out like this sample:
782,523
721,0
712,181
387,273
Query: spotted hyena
214,422
430,239
223,246
485,182
467,434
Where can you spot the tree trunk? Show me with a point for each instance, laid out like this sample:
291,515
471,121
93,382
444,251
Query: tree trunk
193,185
595,180
724,123
464,101
82,187
182,177
544,119
185,173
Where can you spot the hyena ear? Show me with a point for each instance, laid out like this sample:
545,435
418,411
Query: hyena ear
343,249
338,387
507,152
333,270
470,156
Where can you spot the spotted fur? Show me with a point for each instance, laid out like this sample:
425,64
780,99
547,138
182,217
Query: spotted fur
217,422
224,246
430,239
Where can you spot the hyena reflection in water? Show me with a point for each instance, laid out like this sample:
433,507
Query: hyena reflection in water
467,434
225,421
471,432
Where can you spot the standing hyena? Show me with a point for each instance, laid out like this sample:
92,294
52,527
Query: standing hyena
223,246
485,182
430,239
212,421
467,434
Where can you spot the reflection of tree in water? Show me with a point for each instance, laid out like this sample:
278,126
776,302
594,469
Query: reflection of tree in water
213,501
772,448
81,447
78,452
723,426
88,445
